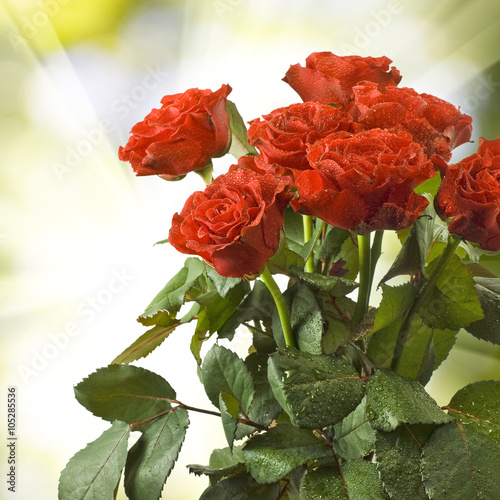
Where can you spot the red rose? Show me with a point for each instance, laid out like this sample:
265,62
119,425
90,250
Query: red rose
235,223
328,79
182,136
469,194
364,182
435,124
284,134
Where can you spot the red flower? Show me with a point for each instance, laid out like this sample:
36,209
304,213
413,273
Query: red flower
435,124
328,79
364,182
469,194
235,224
284,134
182,136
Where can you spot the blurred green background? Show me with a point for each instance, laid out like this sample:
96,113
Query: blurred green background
77,228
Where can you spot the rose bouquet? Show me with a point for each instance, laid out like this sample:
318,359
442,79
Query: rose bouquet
330,401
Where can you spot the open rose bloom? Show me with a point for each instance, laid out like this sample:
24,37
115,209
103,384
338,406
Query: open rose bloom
180,137
469,195
235,224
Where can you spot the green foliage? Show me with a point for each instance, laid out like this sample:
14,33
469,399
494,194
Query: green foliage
461,463
124,392
396,400
315,391
153,456
95,471
488,292
272,455
239,141
242,487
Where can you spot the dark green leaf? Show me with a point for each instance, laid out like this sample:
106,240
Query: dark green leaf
294,230
225,457
229,407
95,471
264,407
488,328
461,463
478,404
412,256
328,250
124,392
214,474
354,436
350,255
173,295
398,462
359,481
416,351
272,455
323,483
453,303
239,143
306,320
241,487
362,480
395,400
215,310
335,286
223,371
258,305
315,391
337,314
153,456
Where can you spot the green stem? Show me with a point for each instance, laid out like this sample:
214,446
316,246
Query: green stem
365,276
425,291
268,280
307,222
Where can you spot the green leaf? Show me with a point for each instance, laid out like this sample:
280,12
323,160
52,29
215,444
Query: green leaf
214,474
239,142
325,483
488,292
461,463
95,471
272,455
124,392
223,371
415,355
225,457
453,303
478,405
395,400
241,487
146,343
171,298
362,480
258,305
350,255
337,314
153,456
398,462
215,310
229,407
284,260
396,300
412,256
294,230
335,286
354,437
306,320
222,284
359,481
327,251
264,407
315,391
